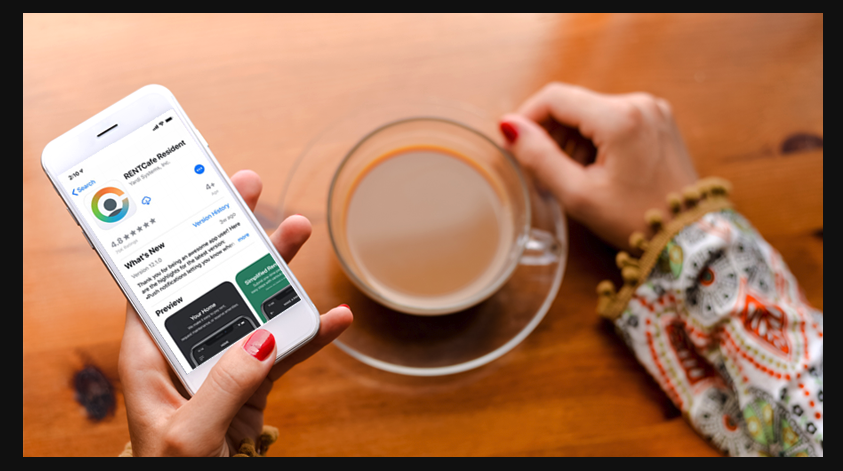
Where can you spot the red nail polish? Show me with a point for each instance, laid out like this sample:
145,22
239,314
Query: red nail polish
509,132
345,306
259,344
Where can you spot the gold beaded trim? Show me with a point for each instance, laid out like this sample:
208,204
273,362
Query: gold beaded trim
250,449
707,195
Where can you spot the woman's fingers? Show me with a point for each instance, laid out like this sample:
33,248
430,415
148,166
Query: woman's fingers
334,322
571,105
539,153
291,234
249,185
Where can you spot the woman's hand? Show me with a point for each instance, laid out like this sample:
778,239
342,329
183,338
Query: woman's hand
229,405
640,155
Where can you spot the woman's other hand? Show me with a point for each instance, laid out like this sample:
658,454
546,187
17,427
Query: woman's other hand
640,155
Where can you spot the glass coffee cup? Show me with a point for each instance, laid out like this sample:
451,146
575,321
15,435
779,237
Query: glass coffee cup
428,216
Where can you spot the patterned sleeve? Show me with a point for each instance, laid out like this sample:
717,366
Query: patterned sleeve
720,323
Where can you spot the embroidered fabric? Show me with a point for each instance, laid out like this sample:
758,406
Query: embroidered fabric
722,326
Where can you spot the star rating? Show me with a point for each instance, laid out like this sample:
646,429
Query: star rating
135,231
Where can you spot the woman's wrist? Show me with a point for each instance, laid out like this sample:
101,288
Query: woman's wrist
707,195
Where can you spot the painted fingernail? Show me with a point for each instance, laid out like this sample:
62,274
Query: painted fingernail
259,344
509,132
345,306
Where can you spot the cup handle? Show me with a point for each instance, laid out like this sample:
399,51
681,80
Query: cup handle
542,248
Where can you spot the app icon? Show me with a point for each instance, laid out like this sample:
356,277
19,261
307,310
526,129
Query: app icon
110,205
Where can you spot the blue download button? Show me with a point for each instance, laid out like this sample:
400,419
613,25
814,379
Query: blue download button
199,169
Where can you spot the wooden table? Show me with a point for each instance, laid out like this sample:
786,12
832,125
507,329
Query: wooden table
260,87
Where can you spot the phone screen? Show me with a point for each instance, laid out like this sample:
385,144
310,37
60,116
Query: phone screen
178,237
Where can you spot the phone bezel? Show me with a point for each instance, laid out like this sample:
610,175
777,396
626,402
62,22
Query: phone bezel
130,113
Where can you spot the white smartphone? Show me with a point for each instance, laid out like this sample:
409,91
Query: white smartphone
152,201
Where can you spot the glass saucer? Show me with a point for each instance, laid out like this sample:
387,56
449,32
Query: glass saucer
394,341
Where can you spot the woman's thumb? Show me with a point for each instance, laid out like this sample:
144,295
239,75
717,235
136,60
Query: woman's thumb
232,381
536,151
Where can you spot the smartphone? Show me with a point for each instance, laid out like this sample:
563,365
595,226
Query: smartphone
151,199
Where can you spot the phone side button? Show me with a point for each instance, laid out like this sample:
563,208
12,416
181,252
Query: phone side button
89,240
71,215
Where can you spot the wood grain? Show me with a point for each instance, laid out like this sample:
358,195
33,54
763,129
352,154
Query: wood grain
259,87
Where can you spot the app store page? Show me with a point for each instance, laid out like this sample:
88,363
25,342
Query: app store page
179,239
